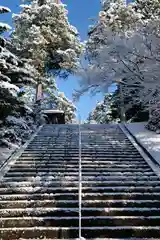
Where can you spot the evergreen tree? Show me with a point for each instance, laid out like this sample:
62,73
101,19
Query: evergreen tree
149,9
105,111
109,110
44,36
15,116
54,99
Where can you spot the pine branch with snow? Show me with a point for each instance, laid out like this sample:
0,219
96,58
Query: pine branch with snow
43,34
16,119
4,26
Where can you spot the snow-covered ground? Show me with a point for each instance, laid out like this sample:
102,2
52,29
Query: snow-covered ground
148,139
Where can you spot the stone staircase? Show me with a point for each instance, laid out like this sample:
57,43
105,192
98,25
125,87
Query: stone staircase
120,194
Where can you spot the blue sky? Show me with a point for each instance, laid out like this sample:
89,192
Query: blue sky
79,13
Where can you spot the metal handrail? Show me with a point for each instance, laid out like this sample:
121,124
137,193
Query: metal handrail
80,181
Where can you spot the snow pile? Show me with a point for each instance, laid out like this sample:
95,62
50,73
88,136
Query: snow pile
148,139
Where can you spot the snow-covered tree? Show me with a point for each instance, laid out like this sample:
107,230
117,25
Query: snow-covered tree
105,111
3,26
149,9
54,99
66,105
106,42
124,47
46,41
114,18
15,117
109,110
44,36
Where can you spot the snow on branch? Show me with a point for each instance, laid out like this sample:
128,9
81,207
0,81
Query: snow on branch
4,27
4,10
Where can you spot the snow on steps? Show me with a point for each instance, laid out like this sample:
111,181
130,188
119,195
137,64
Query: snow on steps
49,183
87,232
73,221
120,194
74,203
75,178
82,238
61,189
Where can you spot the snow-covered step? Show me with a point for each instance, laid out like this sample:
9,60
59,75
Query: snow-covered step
86,151
85,169
75,178
89,159
84,165
89,168
99,238
64,173
73,221
99,147
86,196
120,192
47,174
48,189
86,147
72,232
51,183
86,211
102,154
74,203
84,162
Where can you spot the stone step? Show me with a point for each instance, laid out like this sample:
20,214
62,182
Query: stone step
64,173
85,196
120,192
64,183
74,203
84,169
76,178
111,189
89,159
86,211
117,149
84,151
90,148
76,164
87,155
73,139
100,239
87,232
84,162
97,221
